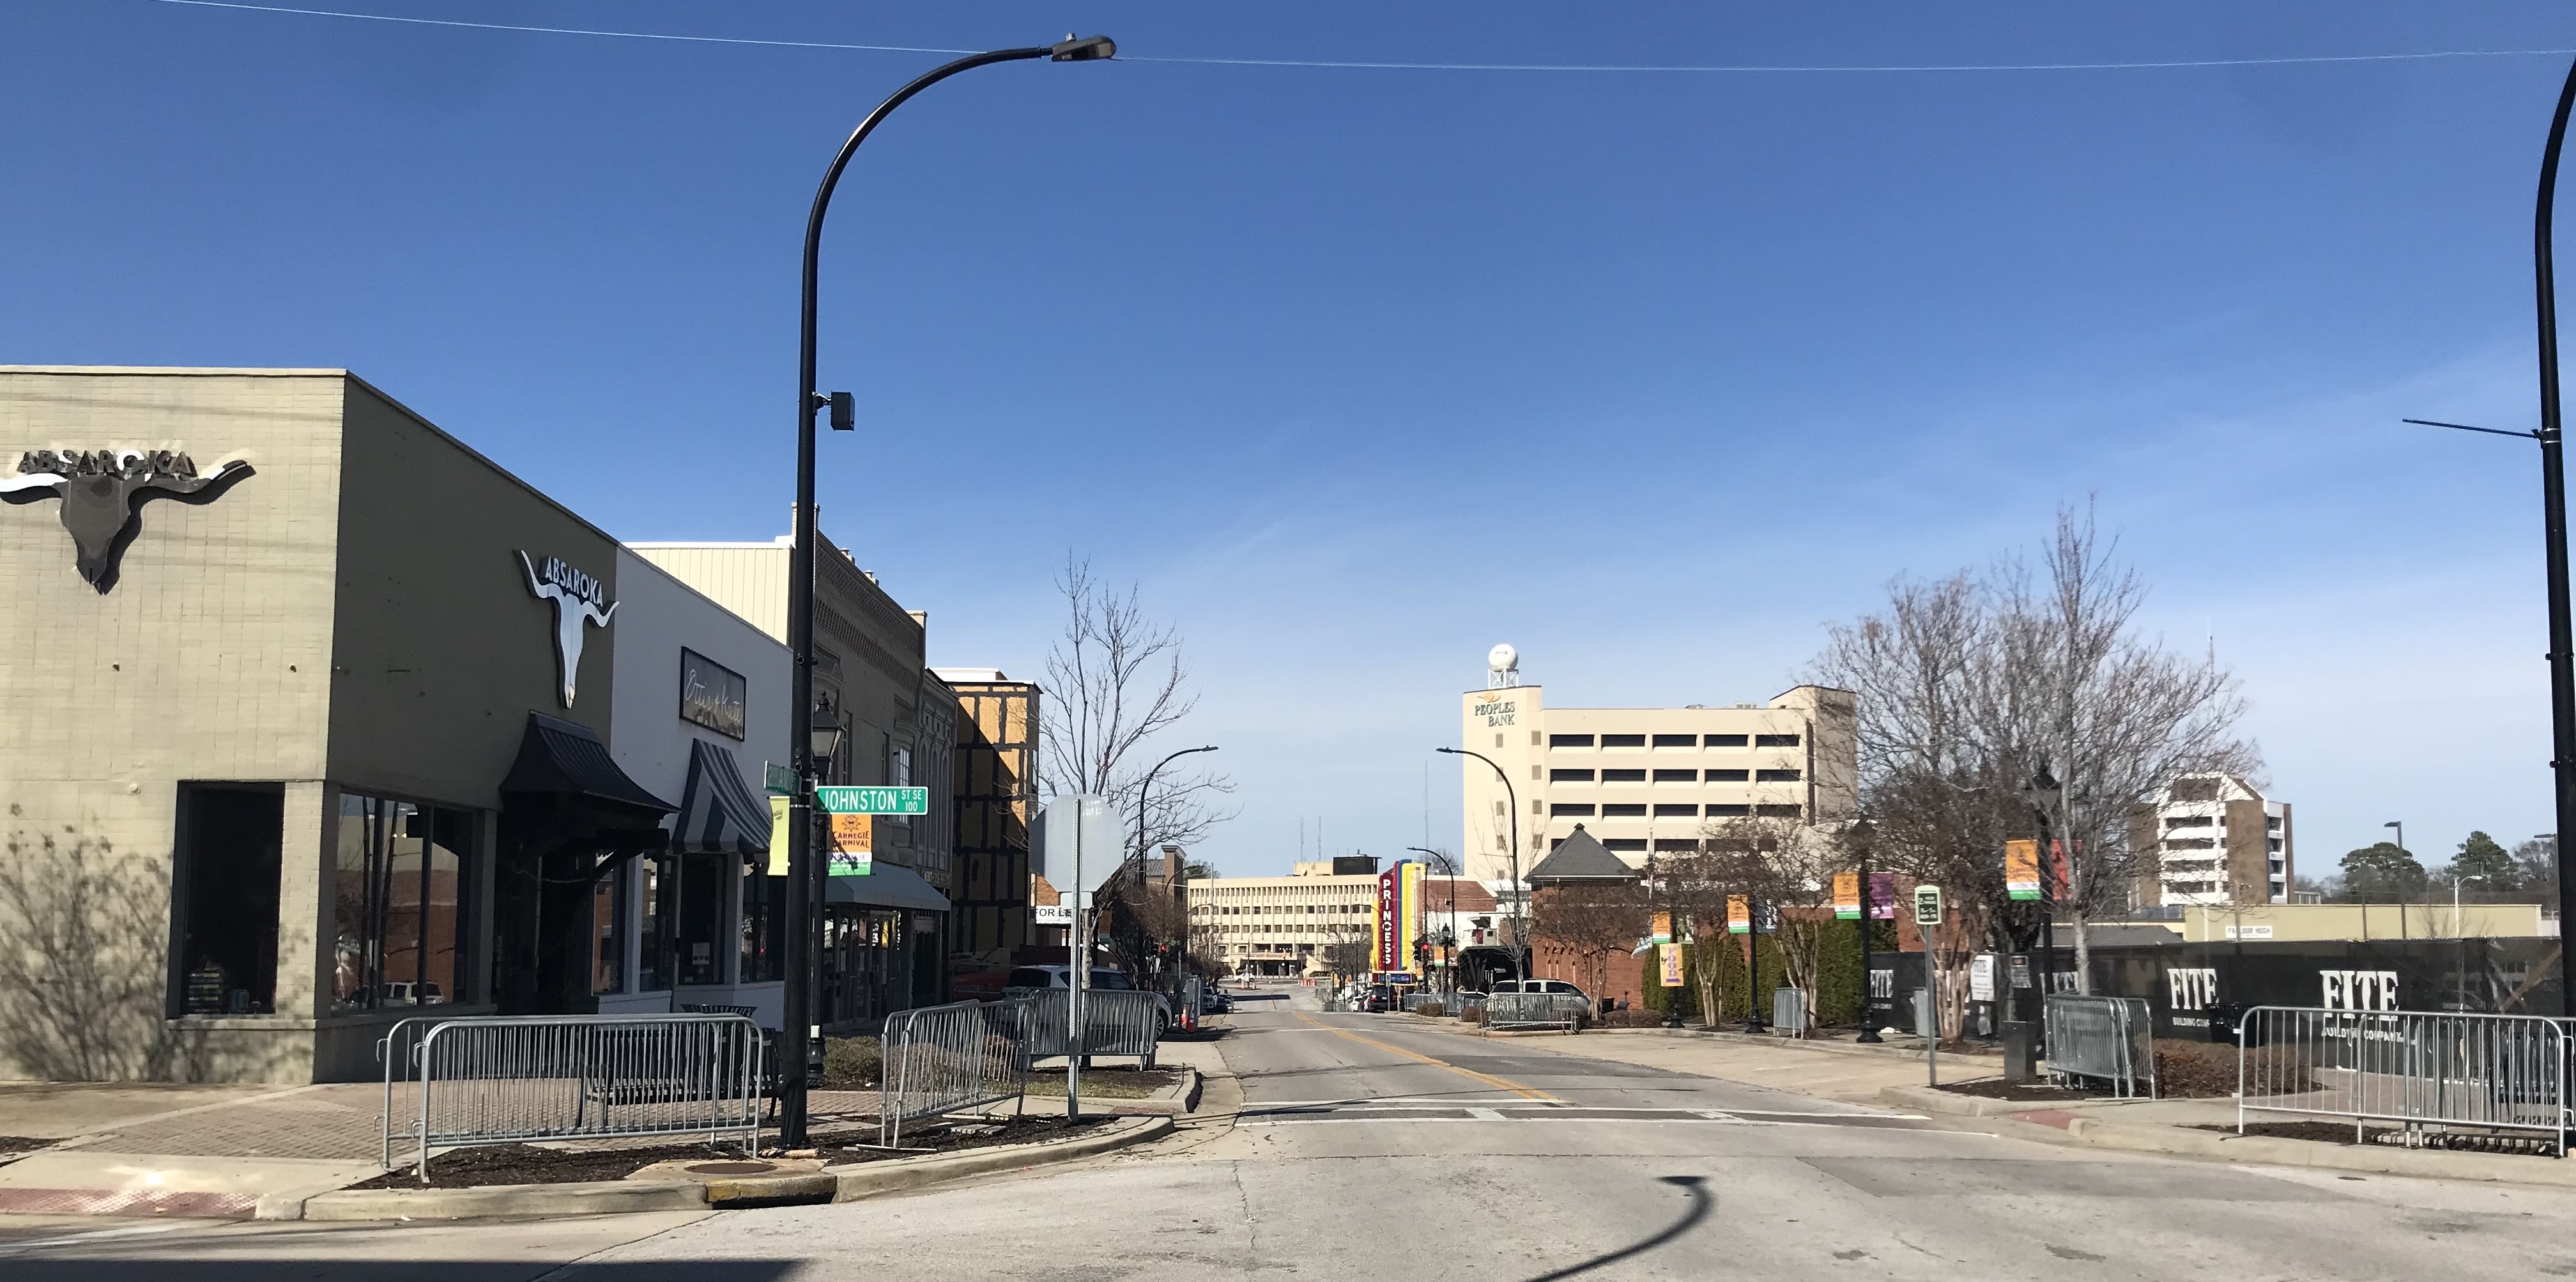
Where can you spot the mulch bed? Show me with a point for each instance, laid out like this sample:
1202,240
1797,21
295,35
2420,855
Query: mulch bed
529,1164
2024,1093
1107,1083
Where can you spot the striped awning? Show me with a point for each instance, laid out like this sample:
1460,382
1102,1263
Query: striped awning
718,813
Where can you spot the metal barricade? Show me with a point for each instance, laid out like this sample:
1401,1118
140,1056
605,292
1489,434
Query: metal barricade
504,1080
2110,1039
939,1059
1508,1012
1116,1022
2423,1069
1789,1011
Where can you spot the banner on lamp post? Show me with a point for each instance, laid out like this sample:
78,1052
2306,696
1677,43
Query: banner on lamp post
1739,915
2021,869
1847,896
1672,959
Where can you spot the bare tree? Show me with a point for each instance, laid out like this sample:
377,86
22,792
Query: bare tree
1590,922
1970,687
2075,693
1115,680
1787,868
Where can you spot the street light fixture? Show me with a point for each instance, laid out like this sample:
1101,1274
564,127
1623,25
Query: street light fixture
1142,787
804,944
1448,939
823,734
1519,919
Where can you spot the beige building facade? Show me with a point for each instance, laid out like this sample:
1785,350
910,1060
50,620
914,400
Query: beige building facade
2214,839
320,720
1642,779
1279,925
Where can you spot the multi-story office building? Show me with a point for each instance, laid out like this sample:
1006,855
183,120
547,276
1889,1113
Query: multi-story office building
996,784
1644,778
2213,839
1279,925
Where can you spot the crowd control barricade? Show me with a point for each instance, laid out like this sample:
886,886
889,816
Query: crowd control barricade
505,1080
2448,1078
1117,1022
1505,1012
939,1059
2110,1039
1789,1011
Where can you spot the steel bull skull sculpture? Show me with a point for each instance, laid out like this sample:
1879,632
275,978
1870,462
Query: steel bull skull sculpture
103,492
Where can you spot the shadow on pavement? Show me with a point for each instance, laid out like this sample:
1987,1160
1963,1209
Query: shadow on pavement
1700,1205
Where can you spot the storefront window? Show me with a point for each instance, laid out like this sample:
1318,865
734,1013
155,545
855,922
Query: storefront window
654,903
608,961
399,908
701,919
764,903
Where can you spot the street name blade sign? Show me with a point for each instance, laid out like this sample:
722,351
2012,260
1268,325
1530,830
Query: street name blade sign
870,800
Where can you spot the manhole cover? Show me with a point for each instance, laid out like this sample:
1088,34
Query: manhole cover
733,1168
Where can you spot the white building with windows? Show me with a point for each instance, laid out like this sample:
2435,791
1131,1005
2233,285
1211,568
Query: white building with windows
1642,779
2213,839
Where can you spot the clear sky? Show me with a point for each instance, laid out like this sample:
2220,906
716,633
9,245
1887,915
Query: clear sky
1358,371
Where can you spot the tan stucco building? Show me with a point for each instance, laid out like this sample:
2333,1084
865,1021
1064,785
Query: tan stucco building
1645,778
351,725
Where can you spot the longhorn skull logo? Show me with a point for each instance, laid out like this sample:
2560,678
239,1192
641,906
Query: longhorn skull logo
580,602
103,492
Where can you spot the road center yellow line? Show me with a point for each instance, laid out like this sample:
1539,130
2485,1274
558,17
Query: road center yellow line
1488,1079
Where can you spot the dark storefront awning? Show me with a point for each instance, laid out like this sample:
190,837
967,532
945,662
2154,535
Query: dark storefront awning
888,886
718,814
565,761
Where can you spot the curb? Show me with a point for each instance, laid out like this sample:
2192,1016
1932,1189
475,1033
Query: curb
1805,1044
868,1179
2061,1126
603,1197
614,1197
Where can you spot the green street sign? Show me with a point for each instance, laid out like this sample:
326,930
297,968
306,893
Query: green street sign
781,779
870,800
1927,905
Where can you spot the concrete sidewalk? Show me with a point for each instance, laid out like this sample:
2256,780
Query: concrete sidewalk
144,1148
1894,1077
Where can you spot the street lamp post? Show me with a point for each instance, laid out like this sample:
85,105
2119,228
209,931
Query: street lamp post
2043,790
1512,800
1753,1022
803,870
1868,1027
1449,934
2553,513
1142,787
2553,499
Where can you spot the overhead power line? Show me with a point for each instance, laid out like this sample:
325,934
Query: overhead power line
2175,64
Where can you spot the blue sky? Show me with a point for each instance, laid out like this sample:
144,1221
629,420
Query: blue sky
1359,371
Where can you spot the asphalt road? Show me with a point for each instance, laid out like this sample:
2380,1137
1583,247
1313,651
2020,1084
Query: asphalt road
1369,1147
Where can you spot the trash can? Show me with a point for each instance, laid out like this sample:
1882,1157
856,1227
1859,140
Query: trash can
2021,1052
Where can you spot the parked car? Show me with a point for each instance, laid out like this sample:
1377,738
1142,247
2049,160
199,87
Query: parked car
1216,1002
1381,997
1027,979
1536,986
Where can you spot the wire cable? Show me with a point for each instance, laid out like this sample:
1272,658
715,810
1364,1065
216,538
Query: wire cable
1331,64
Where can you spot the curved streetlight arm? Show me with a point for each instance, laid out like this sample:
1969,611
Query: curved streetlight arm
1148,782
1512,800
